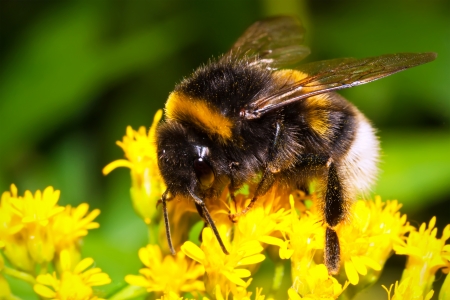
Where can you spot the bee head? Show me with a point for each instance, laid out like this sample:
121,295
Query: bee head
187,160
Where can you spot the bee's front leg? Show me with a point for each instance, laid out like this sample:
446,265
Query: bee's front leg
267,178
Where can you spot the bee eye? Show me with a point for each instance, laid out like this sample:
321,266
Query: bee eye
204,172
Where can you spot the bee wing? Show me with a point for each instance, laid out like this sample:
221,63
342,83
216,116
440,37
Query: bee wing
330,75
274,42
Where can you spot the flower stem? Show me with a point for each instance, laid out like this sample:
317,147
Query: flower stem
129,292
152,234
19,275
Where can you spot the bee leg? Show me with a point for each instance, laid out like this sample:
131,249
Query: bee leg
267,178
201,206
334,206
334,211
231,186
200,212
164,199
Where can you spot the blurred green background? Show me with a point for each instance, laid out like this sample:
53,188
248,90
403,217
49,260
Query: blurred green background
73,75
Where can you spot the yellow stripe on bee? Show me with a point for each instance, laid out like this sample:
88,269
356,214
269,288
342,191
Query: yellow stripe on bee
183,108
317,116
316,106
289,76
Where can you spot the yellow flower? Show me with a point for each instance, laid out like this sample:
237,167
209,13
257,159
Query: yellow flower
168,275
74,282
72,224
426,255
319,283
25,223
239,294
368,239
306,236
32,227
224,270
140,151
407,290
387,228
171,296
244,240
14,243
37,209
263,219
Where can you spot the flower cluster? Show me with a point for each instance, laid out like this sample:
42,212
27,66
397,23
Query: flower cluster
282,225
35,233
40,243
426,255
74,281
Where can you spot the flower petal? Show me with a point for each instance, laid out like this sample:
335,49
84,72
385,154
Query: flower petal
136,280
193,251
351,273
293,295
83,265
44,291
250,260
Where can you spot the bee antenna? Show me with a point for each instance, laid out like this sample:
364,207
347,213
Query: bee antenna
166,221
209,220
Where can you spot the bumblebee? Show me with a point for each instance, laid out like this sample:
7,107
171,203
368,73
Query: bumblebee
256,113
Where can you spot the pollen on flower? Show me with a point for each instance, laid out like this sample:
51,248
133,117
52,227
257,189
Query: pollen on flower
74,281
167,275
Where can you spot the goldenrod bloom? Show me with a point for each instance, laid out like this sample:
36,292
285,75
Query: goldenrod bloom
306,236
140,150
407,290
171,296
169,275
263,220
34,227
367,241
70,226
240,294
320,284
226,271
14,243
426,255
282,224
74,281
25,223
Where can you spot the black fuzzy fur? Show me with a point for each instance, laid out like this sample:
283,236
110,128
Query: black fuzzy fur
229,85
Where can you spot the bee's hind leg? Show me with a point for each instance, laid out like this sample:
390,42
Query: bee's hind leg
334,211
333,208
